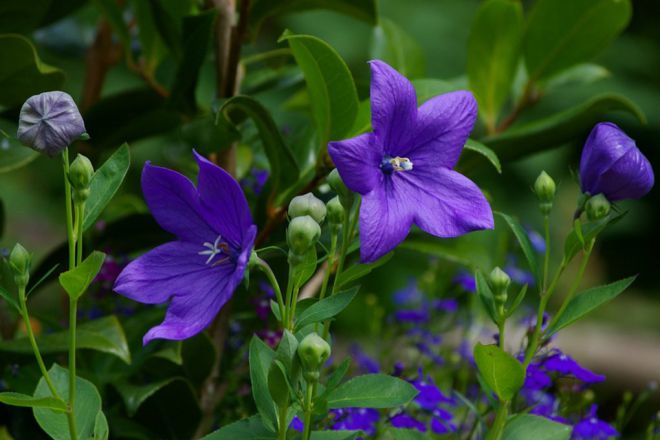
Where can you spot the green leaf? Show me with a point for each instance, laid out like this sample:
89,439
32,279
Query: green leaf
101,428
105,183
326,308
77,280
485,295
13,154
587,301
563,33
261,356
9,298
492,56
585,73
278,384
25,400
357,271
582,234
135,395
26,74
501,371
114,13
262,9
246,429
152,47
87,406
43,278
372,391
527,426
105,335
336,377
398,49
332,93
427,88
196,34
524,242
335,435
407,434
555,130
283,167
490,155
304,270
517,301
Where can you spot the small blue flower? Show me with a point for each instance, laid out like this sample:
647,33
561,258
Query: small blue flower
364,419
466,281
565,365
403,420
592,428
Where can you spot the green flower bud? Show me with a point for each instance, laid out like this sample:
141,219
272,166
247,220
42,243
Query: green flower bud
499,283
81,172
545,189
313,351
307,204
336,212
302,234
597,207
20,260
346,197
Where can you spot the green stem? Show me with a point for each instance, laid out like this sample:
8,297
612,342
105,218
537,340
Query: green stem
331,262
500,326
265,268
500,420
282,428
546,261
69,210
33,342
308,410
287,298
294,302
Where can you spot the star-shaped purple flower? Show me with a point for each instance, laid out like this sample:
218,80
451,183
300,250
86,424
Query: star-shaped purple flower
403,169
612,165
199,271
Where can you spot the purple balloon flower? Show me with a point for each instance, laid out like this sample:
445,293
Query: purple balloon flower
200,270
612,164
49,122
403,169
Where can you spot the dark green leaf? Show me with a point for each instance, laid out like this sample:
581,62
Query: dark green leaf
427,88
563,33
501,371
584,73
26,74
87,406
13,154
304,270
336,377
135,395
527,426
105,183
492,56
398,49
553,131
104,334
76,281
478,147
261,356
283,167
332,92
372,391
22,17
278,384
246,429
357,271
335,435
485,295
168,24
114,13
18,399
582,234
326,308
524,242
587,301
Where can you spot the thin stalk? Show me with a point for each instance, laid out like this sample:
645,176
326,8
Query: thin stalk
265,268
500,326
500,420
69,209
294,302
331,262
287,299
311,387
546,261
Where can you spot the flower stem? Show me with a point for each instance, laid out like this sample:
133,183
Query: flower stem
294,302
311,387
546,261
500,326
265,268
69,210
500,420
331,262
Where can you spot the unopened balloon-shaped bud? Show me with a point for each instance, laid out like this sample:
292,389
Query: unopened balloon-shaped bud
81,172
20,260
307,204
499,283
302,234
335,181
336,212
545,189
597,207
313,351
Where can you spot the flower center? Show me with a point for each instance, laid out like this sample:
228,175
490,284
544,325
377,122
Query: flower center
216,248
391,164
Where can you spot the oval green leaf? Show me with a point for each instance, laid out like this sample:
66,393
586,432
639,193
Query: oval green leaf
25,400
326,308
76,281
526,427
372,391
501,371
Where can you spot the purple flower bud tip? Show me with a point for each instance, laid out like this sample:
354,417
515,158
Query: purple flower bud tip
49,122
612,165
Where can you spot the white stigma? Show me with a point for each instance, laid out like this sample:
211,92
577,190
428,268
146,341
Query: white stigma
401,164
212,250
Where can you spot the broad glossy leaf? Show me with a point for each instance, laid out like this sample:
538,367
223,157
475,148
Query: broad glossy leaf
13,154
492,56
246,429
485,295
326,308
283,167
524,242
76,281
25,400
87,406
542,134
357,271
398,49
261,356
332,92
372,391
278,384
527,426
562,33
584,73
101,428
501,371
25,75
104,334
135,395
477,147
105,183
588,301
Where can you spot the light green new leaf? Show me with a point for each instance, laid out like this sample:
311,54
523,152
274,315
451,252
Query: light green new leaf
563,33
501,371
527,426
588,301
525,243
105,183
485,295
492,56
326,308
18,399
332,93
77,280
372,391
398,49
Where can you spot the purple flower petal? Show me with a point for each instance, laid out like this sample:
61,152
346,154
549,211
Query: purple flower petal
393,107
564,364
174,203
443,126
447,204
403,420
358,160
